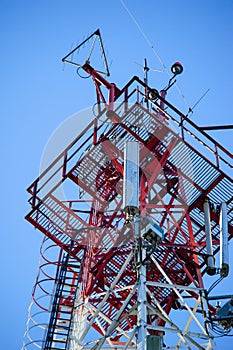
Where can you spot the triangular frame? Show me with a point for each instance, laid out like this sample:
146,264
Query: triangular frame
96,35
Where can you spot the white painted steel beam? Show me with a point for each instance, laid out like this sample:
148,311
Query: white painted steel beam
117,320
178,286
164,316
109,321
142,303
110,290
179,295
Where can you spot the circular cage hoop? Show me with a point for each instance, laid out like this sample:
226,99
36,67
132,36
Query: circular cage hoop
81,75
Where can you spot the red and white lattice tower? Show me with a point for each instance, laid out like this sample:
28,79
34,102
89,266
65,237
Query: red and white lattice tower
116,279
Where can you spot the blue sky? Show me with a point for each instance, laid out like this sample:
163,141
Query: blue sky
38,94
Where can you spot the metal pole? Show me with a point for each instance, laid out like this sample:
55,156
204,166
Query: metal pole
142,308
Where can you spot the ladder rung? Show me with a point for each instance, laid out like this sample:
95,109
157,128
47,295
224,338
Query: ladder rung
59,326
62,320
61,340
60,333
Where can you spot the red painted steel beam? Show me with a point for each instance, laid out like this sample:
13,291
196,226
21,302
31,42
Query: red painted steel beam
99,78
159,164
109,149
116,119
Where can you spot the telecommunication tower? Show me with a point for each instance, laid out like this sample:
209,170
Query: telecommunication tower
123,263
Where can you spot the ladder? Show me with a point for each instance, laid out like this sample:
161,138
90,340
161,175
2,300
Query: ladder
59,327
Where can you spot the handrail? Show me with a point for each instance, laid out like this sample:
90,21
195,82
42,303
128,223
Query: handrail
33,188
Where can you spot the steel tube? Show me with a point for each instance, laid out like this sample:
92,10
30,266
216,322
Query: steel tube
224,252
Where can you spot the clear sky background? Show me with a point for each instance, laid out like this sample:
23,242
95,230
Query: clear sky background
38,94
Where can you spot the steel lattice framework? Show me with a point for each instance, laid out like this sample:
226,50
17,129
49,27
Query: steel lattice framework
180,165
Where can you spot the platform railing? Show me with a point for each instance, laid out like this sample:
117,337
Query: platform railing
134,92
